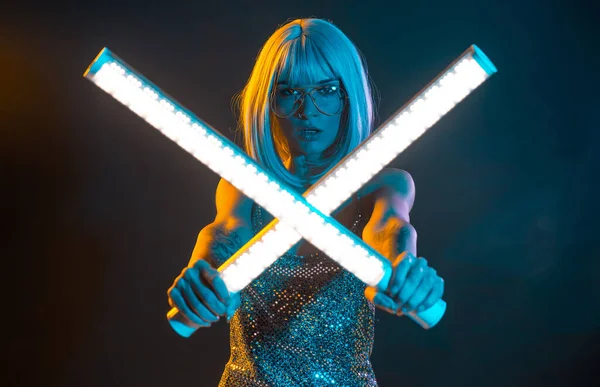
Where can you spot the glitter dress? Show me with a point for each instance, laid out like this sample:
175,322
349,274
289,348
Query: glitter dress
304,322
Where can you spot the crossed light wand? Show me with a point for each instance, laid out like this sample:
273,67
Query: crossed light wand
297,216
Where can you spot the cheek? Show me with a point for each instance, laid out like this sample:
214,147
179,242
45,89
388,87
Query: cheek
286,126
333,126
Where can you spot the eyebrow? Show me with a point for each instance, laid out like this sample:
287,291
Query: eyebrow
319,83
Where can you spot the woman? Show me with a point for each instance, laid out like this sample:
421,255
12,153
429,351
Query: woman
305,321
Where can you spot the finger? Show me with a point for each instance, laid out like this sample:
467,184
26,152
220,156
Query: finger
169,298
201,264
422,291
203,294
370,293
181,305
233,305
381,300
434,296
213,278
192,298
401,266
413,279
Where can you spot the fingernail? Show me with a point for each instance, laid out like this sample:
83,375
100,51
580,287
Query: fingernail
386,303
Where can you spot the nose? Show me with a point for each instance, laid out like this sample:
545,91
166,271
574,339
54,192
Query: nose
307,108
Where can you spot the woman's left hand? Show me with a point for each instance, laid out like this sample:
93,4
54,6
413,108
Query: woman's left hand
414,286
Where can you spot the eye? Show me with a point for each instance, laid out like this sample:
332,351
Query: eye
288,92
329,89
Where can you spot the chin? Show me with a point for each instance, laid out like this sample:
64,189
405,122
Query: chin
311,149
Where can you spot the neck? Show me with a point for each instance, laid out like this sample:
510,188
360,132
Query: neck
302,166
297,166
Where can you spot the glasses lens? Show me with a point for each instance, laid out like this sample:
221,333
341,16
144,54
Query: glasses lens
328,100
285,101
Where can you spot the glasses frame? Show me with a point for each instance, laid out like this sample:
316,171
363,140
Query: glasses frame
300,97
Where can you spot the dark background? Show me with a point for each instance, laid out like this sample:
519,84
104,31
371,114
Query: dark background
100,211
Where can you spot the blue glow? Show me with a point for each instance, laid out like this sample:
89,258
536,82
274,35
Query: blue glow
482,59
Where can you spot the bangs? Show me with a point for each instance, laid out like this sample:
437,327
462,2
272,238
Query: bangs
300,53
303,63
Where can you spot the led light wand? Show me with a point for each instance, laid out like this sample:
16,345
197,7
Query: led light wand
217,152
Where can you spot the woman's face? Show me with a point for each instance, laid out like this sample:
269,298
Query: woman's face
309,115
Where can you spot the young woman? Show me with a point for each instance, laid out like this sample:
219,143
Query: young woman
305,321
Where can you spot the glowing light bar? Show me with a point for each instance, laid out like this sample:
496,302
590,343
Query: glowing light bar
461,77
453,84
113,75
216,151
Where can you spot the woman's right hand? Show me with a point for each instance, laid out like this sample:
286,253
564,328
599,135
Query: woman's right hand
200,294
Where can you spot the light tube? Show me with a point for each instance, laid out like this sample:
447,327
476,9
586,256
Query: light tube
405,126
114,76
220,155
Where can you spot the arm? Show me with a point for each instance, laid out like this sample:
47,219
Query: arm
414,285
230,230
389,230
198,292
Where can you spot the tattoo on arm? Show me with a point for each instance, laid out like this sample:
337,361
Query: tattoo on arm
386,242
395,238
225,243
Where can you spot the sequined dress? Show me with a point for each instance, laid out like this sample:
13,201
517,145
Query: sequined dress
304,322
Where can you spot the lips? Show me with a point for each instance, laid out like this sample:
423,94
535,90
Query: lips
311,130
309,134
